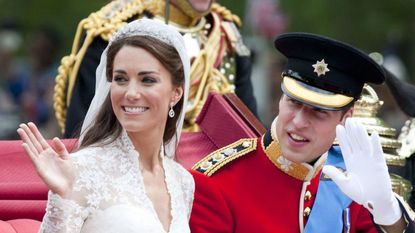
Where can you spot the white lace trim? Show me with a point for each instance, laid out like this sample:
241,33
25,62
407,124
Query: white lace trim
110,176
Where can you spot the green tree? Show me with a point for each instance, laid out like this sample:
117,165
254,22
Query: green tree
368,24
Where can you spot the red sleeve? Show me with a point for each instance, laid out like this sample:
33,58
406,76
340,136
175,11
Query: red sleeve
361,220
210,213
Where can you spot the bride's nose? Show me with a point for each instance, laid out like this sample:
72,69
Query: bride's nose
133,92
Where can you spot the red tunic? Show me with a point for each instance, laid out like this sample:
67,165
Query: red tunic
247,192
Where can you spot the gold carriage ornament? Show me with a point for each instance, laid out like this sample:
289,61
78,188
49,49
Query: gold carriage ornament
365,111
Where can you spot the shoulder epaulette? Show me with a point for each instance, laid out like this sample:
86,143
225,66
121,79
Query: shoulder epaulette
112,16
219,158
226,14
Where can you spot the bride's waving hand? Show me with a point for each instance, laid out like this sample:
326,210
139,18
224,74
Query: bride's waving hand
51,162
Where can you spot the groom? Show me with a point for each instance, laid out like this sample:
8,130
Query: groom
292,179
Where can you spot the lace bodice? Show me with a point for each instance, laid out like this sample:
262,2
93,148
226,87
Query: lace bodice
109,194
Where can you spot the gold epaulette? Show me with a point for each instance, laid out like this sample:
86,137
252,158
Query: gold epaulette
102,23
114,15
226,14
219,158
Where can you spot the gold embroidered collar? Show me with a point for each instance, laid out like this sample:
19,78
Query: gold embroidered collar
177,16
300,171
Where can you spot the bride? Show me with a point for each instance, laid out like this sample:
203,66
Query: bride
123,177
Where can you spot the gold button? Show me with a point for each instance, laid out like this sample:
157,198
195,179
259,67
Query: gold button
307,196
307,211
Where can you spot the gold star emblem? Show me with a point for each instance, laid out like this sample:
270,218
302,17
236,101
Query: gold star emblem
321,68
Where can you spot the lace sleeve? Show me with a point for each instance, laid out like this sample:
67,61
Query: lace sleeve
67,215
62,215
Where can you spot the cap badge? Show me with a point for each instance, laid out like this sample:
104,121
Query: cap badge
321,68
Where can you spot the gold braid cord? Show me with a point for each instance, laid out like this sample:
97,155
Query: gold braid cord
101,23
204,77
226,14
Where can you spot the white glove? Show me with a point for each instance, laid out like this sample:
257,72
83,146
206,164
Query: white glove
367,180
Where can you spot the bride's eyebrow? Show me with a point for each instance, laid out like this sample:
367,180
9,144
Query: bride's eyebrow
147,72
141,73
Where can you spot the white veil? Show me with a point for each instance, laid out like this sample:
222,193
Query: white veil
140,27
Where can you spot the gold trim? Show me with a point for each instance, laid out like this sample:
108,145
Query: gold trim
226,14
304,94
206,164
178,16
204,77
199,26
273,152
187,9
300,171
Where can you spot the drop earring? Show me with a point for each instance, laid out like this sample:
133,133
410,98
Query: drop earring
171,111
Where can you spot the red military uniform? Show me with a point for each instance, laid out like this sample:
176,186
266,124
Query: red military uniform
249,187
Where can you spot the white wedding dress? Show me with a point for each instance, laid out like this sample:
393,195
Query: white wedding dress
109,194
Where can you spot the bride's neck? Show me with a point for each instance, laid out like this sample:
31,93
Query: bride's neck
148,149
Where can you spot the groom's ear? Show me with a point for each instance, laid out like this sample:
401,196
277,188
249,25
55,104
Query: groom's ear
346,114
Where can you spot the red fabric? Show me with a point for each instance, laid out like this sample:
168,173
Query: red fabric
193,146
5,227
220,125
22,193
252,195
15,209
19,226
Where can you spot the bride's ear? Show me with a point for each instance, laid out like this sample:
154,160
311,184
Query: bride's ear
177,94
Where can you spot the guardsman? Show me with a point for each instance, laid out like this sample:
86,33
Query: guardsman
292,179
220,60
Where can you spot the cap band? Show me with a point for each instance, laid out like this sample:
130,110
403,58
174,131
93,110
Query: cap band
322,99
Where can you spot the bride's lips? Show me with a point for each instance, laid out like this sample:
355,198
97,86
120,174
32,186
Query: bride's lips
134,110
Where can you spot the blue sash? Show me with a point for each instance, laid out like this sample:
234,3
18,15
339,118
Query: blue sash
330,209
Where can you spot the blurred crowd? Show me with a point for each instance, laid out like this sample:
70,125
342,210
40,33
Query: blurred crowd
28,66
29,62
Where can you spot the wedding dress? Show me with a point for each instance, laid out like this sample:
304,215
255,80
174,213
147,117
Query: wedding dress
109,194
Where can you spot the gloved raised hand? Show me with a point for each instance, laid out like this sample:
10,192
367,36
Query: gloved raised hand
366,180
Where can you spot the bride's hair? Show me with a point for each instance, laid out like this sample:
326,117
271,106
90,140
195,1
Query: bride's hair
106,128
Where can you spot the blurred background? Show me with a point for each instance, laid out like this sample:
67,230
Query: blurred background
36,34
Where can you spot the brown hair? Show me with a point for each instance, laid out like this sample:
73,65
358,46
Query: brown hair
106,127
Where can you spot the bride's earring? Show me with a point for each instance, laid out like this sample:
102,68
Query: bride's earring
171,111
